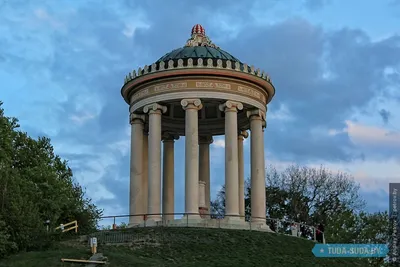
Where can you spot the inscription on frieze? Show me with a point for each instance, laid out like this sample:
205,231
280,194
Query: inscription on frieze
168,86
213,85
249,91
141,93
192,85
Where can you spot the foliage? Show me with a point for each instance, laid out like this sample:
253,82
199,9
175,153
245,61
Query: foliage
310,195
36,185
122,225
317,195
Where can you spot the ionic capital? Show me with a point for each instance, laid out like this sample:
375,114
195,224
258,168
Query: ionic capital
136,118
191,104
231,106
169,137
154,108
243,135
256,114
206,139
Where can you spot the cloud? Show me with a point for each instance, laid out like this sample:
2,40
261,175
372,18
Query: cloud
218,143
314,5
64,63
43,15
373,137
82,118
385,115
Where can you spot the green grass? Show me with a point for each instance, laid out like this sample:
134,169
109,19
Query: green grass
187,247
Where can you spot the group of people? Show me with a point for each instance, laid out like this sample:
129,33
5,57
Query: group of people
301,230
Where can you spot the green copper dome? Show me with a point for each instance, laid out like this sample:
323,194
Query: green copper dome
204,52
199,49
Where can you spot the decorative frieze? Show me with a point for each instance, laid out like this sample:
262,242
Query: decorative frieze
213,85
200,84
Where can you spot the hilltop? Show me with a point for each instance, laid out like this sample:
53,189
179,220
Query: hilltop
185,247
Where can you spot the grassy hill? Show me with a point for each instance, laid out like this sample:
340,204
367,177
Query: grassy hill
185,247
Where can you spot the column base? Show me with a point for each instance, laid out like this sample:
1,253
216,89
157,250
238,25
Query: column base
136,221
242,217
191,217
135,224
153,220
167,218
233,218
258,220
260,225
204,213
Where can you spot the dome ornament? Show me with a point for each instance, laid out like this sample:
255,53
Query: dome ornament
199,38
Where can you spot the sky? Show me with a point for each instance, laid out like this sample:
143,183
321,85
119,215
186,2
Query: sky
334,63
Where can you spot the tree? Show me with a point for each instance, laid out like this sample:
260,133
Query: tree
310,196
217,206
36,185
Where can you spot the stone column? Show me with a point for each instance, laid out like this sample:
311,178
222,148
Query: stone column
202,194
154,170
145,171
231,158
241,136
168,177
204,167
191,107
136,169
258,212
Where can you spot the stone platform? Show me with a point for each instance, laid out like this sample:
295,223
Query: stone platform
227,223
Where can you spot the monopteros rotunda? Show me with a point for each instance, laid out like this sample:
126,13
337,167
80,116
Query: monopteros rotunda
197,91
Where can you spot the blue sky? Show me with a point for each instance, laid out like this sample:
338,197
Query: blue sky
335,65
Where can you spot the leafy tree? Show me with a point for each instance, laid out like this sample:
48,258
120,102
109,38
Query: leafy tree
36,185
317,195
310,195
303,194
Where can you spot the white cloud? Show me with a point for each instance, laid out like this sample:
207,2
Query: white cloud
369,136
43,15
99,192
131,27
371,175
82,118
123,146
218,143
283,113
364,135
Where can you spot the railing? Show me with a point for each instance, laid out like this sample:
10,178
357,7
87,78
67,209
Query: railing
280,226
74,227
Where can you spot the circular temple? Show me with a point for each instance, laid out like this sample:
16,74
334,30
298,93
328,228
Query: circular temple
197,91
